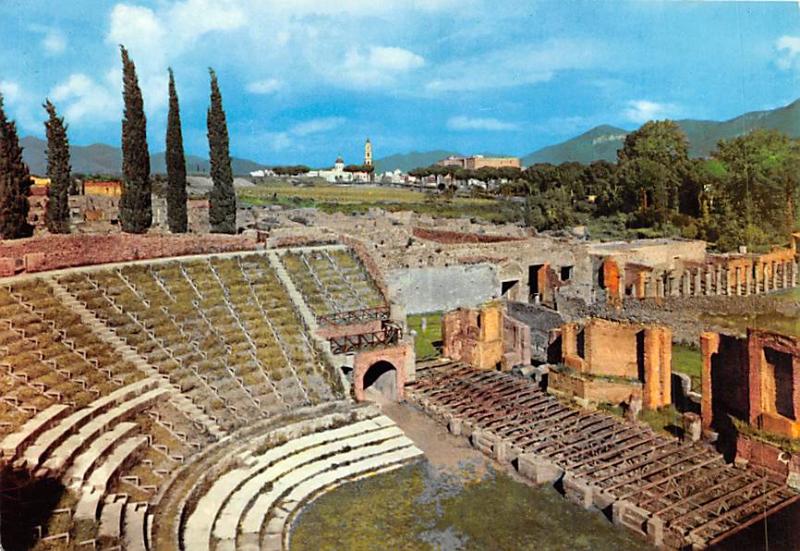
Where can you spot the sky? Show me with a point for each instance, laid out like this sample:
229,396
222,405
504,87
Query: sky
304,81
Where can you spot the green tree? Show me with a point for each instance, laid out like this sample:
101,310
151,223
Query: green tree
762,178
652,165
58,170
176,165
15,182
222,199
135,204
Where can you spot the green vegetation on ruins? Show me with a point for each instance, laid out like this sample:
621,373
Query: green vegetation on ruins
419,508
688,360
427,343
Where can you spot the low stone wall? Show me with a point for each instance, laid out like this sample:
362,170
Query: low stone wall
762,454
591,390
53,252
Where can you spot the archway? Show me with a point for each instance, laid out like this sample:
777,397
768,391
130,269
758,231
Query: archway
380,381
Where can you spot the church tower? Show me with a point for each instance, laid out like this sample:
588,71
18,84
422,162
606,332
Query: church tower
368,153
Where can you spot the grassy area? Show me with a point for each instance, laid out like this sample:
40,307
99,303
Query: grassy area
688,360
421,508
360,198
666,419
427,343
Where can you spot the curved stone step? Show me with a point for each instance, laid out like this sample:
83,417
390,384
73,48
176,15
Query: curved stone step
112,516
63,454
52,438
101,475
134,527
228,519
197,532
14,443
264,503
386,454
76,474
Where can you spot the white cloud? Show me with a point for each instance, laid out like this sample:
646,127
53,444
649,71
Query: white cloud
377,66
515,66
11,91
54,42
788,49
86,99
316,126
642,110
266,86
478,123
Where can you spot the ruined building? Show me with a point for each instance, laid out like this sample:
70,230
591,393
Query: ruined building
751,397
486,337
614,362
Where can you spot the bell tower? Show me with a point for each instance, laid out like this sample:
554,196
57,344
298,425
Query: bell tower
368,153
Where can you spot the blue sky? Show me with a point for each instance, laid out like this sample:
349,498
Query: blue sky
307,80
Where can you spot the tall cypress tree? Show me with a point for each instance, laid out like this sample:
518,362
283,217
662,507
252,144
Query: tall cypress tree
58,170
176,165
135,204
222,199
15,182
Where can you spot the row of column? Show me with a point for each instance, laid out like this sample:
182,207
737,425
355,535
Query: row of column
720,280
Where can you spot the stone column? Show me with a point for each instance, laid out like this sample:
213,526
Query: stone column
719,280
785,274
660,287
686,281
766,278
737,283
793,266
774,284
747,279
758,277
698,282
709,277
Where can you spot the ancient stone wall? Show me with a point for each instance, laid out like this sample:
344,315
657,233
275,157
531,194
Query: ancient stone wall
399,357
438,289
52,252
486,337
601,348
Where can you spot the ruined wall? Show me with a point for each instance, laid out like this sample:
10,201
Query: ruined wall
399,356
637,352
52,252
423,290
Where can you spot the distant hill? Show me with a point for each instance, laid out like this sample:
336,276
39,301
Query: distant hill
105,159
602,142
408,161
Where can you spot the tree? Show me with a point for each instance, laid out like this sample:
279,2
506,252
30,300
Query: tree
222,199
176,165
58,170
652,164
135,204
15,182
761,179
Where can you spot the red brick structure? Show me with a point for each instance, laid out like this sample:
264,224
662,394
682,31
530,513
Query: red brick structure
370,366
610,361
755,380
53,252
486,338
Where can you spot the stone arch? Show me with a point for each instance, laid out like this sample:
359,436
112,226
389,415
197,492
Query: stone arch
394,360
381,377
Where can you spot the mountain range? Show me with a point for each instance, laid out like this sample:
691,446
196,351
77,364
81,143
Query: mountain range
105,159
601,142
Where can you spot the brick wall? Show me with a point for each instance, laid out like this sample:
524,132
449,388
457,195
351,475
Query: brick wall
398,356
53,252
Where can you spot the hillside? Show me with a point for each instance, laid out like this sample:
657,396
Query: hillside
408,161
105,159
603,141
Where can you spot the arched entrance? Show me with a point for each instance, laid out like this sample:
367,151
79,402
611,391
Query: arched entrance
380,381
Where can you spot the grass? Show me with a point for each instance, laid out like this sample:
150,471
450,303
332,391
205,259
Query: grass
688,360
419,508
359,199
427,343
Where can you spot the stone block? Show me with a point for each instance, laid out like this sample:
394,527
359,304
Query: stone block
624,513
538,469
35,262
455,426
577,491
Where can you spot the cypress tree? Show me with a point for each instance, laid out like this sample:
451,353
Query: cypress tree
135,204
222,199
176,165
15,182
58,170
